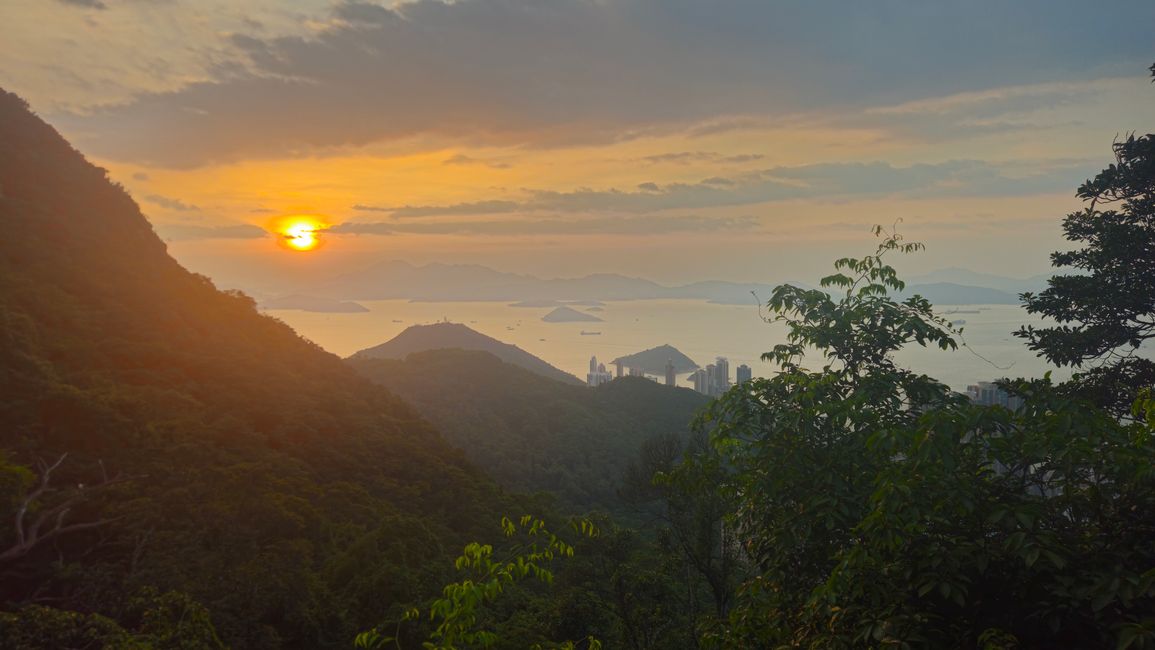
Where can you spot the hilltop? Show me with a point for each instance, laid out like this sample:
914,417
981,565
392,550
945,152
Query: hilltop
569,315
654,360
420,338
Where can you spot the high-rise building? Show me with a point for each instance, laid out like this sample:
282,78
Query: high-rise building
597,374
637,372
671,374
743,374
721,375
989,394
618,365
701,383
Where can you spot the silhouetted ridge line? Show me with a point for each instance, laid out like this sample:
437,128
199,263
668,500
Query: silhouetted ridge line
438,336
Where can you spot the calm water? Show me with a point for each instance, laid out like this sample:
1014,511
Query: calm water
699,329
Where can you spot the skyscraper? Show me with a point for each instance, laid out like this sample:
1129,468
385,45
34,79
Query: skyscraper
671,375
721,375
700,381
989,394
743,374
597,375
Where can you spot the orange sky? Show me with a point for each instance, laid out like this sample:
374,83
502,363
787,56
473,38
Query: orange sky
669,141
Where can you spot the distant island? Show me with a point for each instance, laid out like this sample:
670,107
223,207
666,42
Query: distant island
301,302
569,315
440,336
654,360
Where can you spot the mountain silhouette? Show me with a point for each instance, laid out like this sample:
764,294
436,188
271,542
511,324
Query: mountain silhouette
440,336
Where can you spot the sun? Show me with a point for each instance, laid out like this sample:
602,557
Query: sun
300,233
301,237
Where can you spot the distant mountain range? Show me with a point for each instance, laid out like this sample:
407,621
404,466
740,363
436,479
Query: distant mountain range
443,336
301,302
948,293
465,282
471,282
966,277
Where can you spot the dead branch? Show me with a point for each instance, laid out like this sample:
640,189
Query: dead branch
52,522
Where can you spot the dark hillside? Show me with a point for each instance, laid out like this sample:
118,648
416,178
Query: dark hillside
533,433
258,474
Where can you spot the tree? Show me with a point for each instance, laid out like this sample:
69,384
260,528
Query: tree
1106,311
36,522
875,507
457,614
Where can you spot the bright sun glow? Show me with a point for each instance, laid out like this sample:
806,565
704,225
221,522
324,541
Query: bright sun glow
301,234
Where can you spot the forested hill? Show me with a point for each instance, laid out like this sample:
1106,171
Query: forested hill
211,452
533,433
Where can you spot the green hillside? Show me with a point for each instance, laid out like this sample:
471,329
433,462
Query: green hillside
211,451
532,433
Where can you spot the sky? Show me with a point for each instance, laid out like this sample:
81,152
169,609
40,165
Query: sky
676,140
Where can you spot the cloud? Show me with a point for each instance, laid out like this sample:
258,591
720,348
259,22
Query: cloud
637,225
826,181
171,204
140,176
987,112
462,159
183,232
692,157
87,4
457,209
523,72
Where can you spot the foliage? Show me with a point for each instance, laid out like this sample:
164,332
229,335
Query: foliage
874,507
533,433
170,621
1106,308
35,627
693,517
457,613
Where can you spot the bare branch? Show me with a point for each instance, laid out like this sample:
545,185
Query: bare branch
28,536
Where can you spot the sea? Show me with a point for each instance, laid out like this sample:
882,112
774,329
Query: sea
701,330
